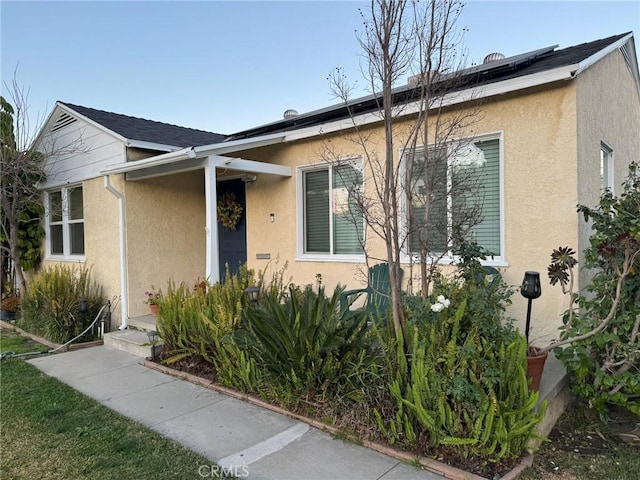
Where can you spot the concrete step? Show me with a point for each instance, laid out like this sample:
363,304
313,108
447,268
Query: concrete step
132,341
145,323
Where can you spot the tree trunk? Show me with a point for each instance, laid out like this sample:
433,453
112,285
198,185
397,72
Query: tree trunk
15,256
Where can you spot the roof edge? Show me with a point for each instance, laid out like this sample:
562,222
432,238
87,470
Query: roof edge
600,54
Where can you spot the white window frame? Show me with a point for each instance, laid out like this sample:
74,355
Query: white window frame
496,260
607,179
65,222
301,222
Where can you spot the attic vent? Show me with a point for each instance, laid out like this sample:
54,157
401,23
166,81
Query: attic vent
290,113
492,57
63,120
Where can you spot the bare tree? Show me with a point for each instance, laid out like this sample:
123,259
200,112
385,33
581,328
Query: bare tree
431,199
23,165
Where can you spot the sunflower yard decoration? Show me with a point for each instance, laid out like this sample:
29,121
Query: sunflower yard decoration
229,211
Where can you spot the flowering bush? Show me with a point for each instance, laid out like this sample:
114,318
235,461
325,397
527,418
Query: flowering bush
441,304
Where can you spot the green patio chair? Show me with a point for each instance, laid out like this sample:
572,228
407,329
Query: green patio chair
378,292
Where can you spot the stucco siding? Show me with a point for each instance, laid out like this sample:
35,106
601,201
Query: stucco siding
165,234
538,134
608,110
101,237
539,194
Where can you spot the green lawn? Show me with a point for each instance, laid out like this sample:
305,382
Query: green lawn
11,341
50,431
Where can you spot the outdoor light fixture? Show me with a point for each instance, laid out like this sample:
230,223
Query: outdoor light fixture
530,289
153,336
153,339
84,306
252,293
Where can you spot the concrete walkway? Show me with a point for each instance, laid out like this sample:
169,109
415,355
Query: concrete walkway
258,443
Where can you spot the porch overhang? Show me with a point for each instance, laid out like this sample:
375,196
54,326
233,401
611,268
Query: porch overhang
195,158
209,159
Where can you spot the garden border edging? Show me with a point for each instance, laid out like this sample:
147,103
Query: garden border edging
448,471
49,343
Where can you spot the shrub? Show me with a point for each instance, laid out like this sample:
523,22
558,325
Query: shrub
484,292
461,388
459,382
305,344
51,306
602,325
190,319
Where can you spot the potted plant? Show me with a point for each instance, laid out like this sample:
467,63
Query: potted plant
536,357
561,271
152,300
9,305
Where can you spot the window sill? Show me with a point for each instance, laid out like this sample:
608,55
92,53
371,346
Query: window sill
66,258
497,262
331,258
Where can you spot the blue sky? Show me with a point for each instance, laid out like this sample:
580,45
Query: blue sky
227,66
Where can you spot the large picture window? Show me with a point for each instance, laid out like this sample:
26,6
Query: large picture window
332,220
454,189
65,222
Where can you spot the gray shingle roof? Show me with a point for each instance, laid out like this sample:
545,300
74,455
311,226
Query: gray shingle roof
538,63
133,128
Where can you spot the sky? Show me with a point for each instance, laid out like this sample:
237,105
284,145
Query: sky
228,66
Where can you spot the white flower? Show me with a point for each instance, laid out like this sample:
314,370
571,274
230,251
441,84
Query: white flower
441,303
436,307
444,301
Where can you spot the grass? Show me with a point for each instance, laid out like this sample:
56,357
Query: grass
51,431
10,341
582,447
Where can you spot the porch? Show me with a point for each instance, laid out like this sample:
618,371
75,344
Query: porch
180,191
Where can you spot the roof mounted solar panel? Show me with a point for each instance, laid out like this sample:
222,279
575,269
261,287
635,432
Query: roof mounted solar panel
507,63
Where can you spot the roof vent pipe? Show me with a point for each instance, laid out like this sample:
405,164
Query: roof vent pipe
492,57
290,113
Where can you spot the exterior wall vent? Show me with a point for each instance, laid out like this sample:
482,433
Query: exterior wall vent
64,120
492,57
290,113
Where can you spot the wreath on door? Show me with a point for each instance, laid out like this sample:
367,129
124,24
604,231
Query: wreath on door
229,211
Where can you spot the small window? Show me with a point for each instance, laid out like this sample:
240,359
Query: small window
65,222
332,221
606,167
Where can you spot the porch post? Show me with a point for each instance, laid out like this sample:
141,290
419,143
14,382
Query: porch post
211,226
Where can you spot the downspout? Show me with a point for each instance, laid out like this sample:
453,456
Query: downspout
124,300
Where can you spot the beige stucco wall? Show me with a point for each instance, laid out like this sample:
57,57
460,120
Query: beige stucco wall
102,247
538,131
165,234
608,107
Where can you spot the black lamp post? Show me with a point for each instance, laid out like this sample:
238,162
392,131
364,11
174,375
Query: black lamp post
530,289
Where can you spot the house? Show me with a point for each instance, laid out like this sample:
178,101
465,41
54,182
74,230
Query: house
556,127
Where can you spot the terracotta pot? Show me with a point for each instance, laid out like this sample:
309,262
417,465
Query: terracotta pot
154,310
535,367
